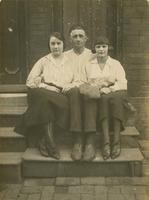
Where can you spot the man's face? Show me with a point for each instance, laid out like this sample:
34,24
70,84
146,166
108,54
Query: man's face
78,38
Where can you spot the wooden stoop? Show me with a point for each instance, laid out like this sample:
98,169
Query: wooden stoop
17,161
144,147
12,145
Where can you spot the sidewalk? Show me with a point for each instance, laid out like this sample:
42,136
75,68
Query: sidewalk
87,188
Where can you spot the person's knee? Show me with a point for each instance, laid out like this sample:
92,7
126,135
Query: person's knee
116,100
104,100
74,92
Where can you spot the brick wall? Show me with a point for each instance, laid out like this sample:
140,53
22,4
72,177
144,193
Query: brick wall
42,20
135,51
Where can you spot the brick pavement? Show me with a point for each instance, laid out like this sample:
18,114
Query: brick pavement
74,188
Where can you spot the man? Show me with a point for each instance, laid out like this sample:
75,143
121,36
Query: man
79,56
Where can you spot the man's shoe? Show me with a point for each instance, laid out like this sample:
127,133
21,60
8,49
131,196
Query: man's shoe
89,153
116,150
77,152
106,151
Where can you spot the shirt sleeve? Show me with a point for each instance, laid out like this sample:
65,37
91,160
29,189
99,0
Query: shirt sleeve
121,82
35,75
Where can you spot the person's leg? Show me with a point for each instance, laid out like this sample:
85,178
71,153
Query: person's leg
104,123
76,122
90,119
105,130
116,130
117,111
43,109
50,143
106,138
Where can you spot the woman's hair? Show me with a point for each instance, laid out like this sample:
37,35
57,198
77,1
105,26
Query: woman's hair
58,35
101,40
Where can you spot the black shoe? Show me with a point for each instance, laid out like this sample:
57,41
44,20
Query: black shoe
42,148
116,150
53,152
106,151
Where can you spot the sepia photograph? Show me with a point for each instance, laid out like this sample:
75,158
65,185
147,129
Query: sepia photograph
74,99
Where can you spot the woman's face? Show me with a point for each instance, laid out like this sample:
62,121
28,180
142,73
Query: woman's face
56,46
101,50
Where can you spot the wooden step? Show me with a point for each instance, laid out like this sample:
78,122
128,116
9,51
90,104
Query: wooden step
67,139
144,147
11,141
144,144
10,167
13,103
145,168
13,88
130,131
13,99
129,163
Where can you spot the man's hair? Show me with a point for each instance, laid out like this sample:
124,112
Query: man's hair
77,26
58,35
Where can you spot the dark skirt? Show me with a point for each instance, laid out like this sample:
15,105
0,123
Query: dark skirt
112,105
44,106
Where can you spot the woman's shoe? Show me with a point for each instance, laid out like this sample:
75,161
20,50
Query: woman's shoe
53,152
42,148
116,150
106,151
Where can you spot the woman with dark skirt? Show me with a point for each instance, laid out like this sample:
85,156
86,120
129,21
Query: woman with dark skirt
109,109
49,91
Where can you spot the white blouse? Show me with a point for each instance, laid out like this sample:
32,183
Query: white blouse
112,69
49,71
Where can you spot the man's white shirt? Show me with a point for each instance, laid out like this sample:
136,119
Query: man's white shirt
78,63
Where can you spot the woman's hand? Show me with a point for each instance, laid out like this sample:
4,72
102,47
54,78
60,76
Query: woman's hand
105,90
49,87
52,88
37,81
66,89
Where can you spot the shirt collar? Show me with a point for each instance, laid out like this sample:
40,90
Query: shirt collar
94,60
109,61
50,58
83,52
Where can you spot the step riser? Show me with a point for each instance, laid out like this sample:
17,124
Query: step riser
11,173
67,140
12,145
17,101
82,169
9,120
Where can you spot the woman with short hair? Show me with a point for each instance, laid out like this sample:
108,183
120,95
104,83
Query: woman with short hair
49,83
108,76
